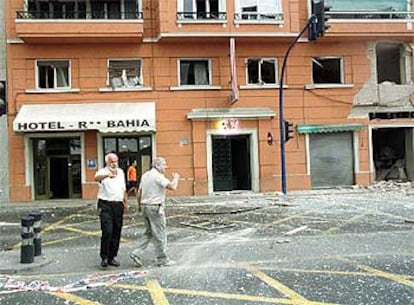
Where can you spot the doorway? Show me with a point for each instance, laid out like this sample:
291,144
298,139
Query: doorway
231,160
57,168
393,153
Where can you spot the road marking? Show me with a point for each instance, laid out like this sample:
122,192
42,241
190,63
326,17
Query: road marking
157,293
291,294
73,298
393,277
351,220
221,295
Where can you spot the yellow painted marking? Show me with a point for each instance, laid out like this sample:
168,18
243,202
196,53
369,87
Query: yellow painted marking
290,293
223,295
72,229
401,279
351,220
229,296
330,272
157,293
73,298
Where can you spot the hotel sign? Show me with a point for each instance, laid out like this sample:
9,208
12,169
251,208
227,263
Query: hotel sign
81,125
104,117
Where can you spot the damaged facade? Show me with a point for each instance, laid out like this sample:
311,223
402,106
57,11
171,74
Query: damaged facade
198,82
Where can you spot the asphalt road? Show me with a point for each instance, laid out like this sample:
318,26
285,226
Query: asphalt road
326,247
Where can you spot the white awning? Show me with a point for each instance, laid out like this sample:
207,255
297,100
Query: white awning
104,117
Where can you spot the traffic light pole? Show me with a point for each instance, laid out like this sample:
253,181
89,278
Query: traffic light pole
281,116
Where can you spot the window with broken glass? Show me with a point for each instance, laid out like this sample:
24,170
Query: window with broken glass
194,72
258,10
201,10
124,73
261,71
327,70
53,74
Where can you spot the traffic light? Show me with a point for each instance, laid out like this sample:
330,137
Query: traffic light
289,130
318,26
3,103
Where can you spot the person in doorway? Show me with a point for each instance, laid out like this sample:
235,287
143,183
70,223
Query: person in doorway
112,201
132,178
151,202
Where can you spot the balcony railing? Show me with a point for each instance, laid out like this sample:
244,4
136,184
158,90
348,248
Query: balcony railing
201,16
255,16
80,14
388,15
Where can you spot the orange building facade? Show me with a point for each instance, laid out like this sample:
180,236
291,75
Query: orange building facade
198,82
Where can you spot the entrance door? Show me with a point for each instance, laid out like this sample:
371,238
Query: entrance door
58,177
57,168
231,163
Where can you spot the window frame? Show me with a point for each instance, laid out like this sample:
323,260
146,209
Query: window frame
260,76
181,12
139,77
261,14
55,77
341,72
209,71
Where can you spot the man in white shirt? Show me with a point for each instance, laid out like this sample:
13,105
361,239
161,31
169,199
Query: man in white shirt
151,201
112,200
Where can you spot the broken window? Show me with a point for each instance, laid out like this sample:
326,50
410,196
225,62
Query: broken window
258,9
327,70
53,74
393,63
194,72
261,71
200,9
124,73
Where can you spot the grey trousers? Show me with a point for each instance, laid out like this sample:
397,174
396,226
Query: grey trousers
155,230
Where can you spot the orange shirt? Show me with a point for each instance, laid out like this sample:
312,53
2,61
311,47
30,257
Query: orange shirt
132,173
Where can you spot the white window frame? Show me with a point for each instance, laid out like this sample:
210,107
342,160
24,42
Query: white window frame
124,79
261,60
55,79
181,8
262,9
209,79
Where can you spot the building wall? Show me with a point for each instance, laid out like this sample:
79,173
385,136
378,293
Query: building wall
4,149
165,41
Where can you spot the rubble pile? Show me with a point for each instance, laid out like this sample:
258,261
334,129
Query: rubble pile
392,185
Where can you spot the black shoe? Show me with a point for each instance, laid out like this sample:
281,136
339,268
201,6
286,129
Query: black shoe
114,262
104,263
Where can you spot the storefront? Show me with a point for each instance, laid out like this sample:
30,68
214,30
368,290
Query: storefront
64,144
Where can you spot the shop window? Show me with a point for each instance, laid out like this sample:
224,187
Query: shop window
194,72
53,74
261,71
124,73
327,70
129,149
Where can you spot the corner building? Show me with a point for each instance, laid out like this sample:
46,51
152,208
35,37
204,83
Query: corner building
198,81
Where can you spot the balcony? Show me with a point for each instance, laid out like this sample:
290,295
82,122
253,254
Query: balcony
79,26
369,18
